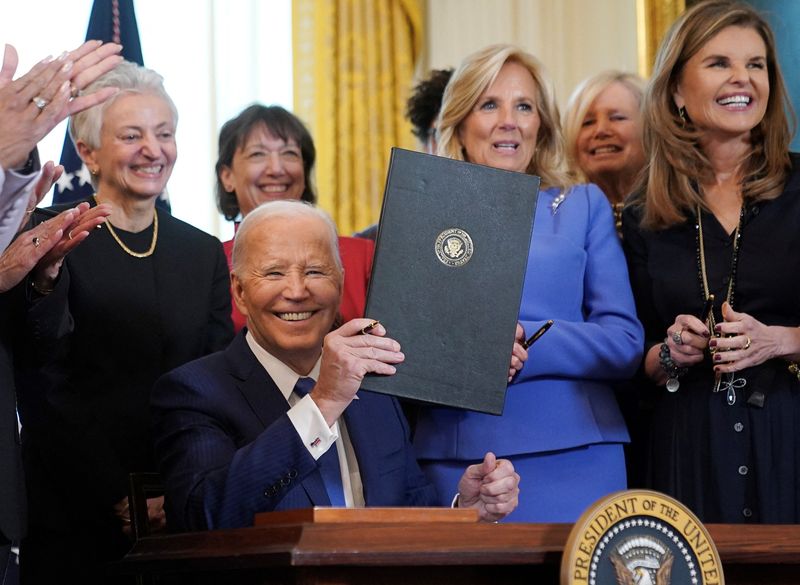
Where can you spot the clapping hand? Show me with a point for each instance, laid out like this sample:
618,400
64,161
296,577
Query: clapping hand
35,103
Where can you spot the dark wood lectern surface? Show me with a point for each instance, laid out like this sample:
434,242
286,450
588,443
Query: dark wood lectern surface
397,553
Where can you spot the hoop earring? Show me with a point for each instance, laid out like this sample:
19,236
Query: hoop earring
682,114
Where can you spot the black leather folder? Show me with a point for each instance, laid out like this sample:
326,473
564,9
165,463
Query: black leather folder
447,277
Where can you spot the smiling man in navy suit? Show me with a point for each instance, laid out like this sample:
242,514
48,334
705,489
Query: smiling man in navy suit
276,421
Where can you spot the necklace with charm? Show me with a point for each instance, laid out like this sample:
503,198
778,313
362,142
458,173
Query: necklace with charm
728,383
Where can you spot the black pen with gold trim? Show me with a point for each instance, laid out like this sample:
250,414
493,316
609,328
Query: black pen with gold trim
535,337
367,328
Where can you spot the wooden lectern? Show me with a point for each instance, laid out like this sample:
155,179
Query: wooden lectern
359,547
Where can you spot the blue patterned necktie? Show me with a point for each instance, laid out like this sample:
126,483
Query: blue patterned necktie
329,462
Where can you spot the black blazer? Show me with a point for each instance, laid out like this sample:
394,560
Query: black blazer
12,485
113,324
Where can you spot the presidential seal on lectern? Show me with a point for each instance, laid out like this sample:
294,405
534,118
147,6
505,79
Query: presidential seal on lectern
640,537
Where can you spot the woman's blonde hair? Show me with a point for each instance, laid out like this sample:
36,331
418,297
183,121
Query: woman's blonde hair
578,106
476,73
677,163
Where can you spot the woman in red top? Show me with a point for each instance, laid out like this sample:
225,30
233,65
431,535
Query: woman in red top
266,153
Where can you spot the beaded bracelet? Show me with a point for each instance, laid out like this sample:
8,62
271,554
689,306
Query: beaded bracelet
671,368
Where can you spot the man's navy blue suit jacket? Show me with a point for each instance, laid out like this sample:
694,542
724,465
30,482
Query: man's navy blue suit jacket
227,449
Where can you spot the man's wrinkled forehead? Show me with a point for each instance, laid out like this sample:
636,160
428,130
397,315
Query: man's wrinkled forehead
305,238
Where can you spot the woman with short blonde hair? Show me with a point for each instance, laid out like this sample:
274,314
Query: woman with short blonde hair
581,101
603,131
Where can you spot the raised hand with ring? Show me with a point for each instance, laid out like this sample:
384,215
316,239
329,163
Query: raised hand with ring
39,102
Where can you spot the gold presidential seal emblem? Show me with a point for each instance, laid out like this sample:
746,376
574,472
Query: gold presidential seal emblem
640,537
454,247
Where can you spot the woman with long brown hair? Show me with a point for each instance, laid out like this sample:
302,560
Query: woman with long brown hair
712,249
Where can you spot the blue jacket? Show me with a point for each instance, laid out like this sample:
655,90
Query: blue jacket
563,396
227,449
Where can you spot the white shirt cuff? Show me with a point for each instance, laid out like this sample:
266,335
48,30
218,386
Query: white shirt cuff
312,428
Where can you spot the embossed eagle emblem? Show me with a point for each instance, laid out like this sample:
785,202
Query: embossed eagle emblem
642,561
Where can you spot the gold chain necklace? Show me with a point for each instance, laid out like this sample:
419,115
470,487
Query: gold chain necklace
145,254
617,208
734,260
731,382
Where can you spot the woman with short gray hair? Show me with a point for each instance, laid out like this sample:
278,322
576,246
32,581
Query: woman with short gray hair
145,294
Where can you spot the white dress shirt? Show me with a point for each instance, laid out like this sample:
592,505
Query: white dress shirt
307,419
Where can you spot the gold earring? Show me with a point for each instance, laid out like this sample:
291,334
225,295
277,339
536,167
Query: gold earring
682,114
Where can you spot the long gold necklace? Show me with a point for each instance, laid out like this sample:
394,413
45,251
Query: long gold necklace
617,209
731,382
145,254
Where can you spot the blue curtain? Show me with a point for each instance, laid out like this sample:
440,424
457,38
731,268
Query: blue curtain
784,16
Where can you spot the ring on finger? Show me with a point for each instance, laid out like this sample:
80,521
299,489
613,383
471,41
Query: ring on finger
69,234
747,344
74,91
676,337
36,241
39,102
